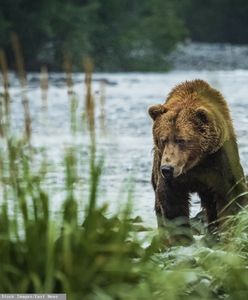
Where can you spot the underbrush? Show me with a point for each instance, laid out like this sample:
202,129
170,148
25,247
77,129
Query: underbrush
99,257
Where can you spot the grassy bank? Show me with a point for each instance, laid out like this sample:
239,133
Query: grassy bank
92,255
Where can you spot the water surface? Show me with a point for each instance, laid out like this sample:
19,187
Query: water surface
127,145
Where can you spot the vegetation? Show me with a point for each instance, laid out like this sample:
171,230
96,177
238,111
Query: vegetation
120,35
221,21
104,258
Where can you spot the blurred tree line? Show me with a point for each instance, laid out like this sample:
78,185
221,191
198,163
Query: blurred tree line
218,21
122,35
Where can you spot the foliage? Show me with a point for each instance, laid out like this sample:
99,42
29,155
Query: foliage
103,258
221,21
118,35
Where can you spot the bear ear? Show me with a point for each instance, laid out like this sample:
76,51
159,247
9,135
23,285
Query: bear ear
156,110
202,115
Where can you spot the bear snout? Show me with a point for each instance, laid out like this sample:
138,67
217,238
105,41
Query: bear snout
167,171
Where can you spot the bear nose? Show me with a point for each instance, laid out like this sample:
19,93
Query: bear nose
167,171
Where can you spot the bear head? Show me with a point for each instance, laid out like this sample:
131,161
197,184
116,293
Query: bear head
183,136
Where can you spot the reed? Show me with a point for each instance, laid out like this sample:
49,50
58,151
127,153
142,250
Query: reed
102,106
89,100
23,82
5,104
44,86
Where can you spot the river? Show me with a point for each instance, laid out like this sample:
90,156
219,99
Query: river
127,143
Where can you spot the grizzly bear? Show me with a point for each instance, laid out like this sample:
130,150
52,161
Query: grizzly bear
195,151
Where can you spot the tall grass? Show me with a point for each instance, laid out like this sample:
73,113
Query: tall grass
94,256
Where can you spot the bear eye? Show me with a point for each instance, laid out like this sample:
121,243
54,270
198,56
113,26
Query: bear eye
164,141
181,142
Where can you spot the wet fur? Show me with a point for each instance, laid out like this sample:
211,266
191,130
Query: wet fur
215,174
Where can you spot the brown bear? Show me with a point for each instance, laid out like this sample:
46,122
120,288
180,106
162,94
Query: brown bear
195,150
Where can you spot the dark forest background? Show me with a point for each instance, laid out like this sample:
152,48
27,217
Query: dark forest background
120,35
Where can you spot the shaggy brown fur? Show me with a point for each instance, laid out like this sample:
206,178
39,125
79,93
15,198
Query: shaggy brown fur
194,136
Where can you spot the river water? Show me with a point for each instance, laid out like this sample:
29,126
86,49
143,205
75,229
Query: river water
127,143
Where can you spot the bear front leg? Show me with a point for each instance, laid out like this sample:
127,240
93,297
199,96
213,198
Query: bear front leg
174,208
154,181
208,202
173,202
158,211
